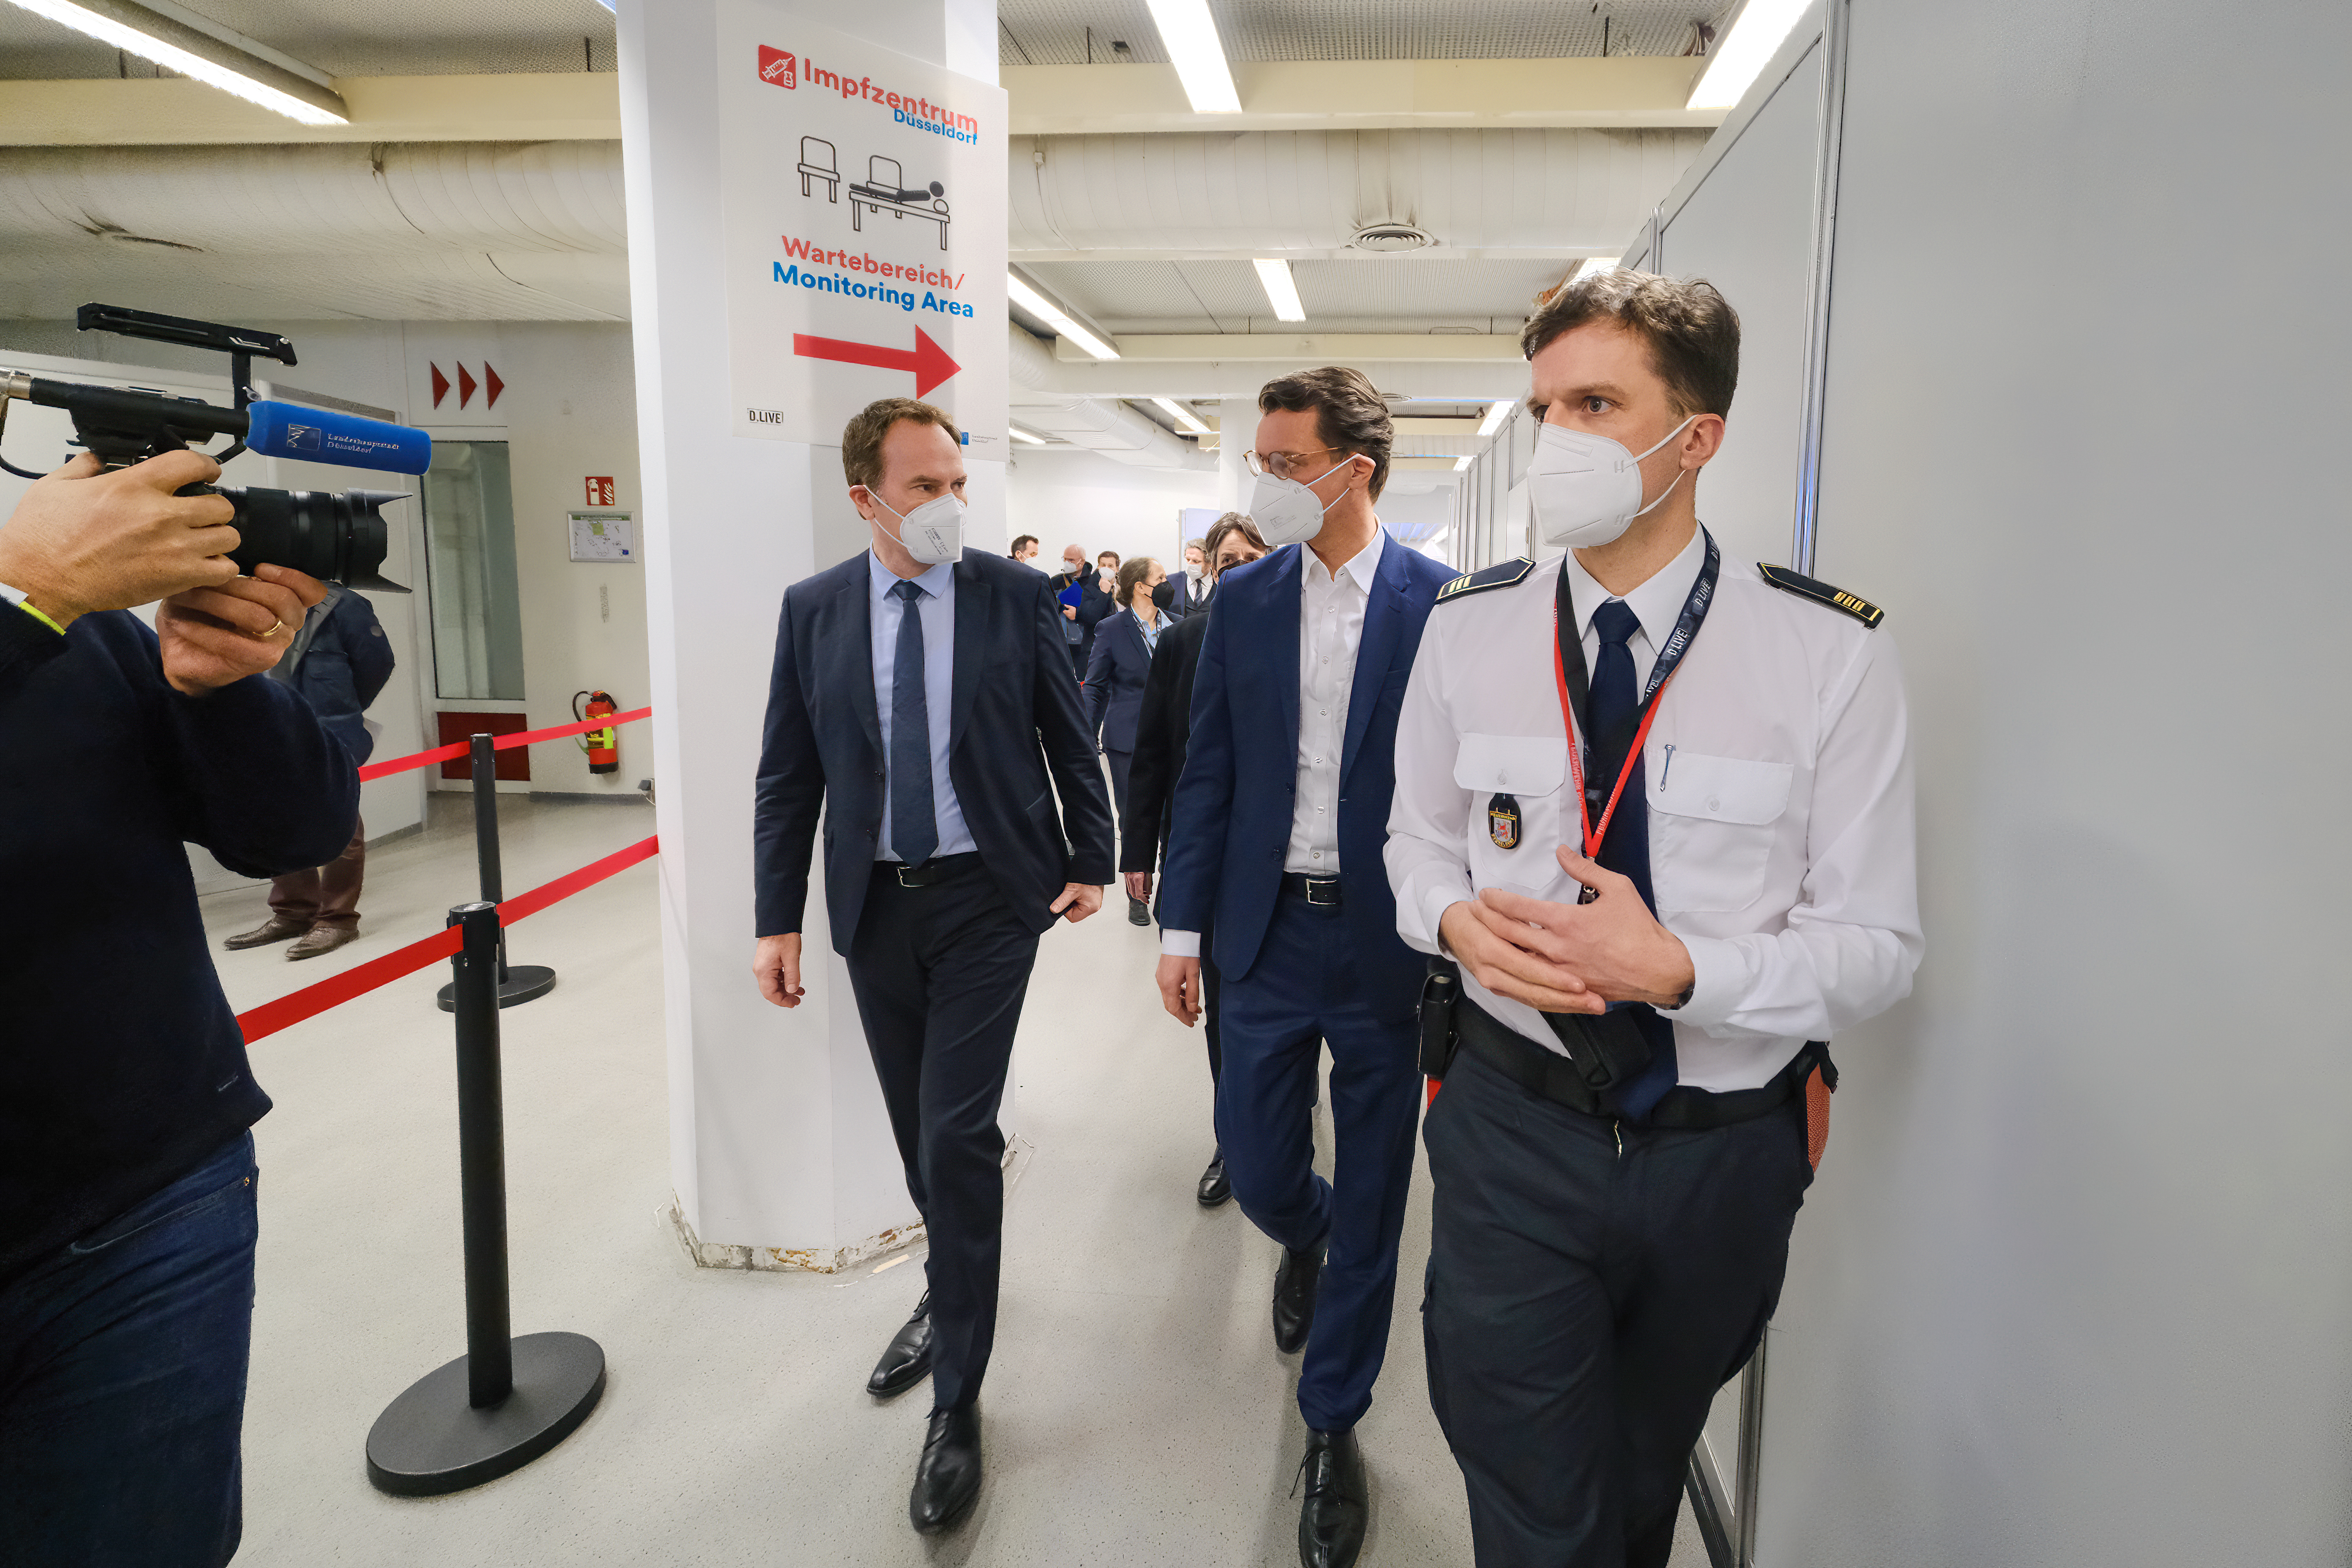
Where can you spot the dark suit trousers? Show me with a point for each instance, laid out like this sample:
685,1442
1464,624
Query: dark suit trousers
939,973
324,895
1585,1302
1305,989
1122,764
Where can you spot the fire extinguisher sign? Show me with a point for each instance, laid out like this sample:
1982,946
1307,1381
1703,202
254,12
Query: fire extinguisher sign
600,490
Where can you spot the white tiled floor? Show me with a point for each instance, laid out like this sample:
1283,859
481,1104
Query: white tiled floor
1136,1410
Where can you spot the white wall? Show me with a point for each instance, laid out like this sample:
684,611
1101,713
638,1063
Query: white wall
1068,495
2072,1288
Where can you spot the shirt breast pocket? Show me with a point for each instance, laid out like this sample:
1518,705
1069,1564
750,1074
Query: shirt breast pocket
1711,831
1530,769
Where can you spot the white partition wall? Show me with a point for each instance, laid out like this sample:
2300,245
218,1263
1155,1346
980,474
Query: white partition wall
2072,1287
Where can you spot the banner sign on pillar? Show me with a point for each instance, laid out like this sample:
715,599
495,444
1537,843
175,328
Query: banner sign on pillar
865,229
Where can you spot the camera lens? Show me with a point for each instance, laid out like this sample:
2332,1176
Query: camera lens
334,538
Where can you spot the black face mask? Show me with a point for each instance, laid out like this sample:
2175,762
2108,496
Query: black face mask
1164,595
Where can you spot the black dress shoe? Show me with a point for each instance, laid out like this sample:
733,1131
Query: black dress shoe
1138,913
947,1478
1294,1298
1216,1187
908,1360
1331,1519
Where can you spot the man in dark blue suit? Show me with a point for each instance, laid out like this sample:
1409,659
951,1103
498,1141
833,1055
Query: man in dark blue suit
922,702
1281,818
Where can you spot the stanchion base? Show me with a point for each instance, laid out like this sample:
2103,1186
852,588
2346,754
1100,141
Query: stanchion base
524,982
430,1441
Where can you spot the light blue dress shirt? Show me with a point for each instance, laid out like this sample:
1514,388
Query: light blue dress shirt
937,607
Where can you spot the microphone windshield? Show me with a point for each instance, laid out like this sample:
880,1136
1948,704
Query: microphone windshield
347,440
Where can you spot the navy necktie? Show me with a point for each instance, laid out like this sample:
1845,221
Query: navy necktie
1616,714
914,825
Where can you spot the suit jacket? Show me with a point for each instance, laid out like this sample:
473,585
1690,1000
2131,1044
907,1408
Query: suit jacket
1015,738
1186,602
1163,725
1235,800
1115,677
1071,631
340,662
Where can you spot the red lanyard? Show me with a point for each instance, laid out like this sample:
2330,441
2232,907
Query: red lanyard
1593,836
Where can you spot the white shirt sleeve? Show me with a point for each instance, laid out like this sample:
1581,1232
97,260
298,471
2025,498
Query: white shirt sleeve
1429,816
1180,943
1848,949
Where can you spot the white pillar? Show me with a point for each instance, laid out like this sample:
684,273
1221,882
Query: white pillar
781,1154
1238,420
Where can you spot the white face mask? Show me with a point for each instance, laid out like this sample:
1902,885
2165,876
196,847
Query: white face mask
1288,512
933,531
1586,489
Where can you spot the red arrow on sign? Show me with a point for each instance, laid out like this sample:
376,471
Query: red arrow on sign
925,359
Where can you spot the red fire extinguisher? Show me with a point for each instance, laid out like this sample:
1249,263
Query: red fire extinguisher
602,746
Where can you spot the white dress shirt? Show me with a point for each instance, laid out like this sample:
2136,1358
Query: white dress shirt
938,610
1330,634
1778,777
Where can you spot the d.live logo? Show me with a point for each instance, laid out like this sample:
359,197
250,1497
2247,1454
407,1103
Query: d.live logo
778,67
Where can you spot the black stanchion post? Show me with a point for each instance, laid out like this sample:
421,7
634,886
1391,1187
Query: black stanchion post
528,981
506,1401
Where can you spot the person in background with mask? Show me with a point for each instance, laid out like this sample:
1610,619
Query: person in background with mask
1115,677
1280,816
1024,550
1074,569
1191,584
920,704
1162,732
1658,804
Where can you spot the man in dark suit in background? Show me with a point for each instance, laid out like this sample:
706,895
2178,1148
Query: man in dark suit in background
921,701
1281,818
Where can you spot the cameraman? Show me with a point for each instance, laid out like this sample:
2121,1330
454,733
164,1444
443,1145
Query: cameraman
127,1215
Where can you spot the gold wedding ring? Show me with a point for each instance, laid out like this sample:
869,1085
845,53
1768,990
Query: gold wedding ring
275,627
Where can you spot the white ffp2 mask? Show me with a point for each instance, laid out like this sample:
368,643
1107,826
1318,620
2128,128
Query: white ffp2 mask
1587,488
933,531
1288,512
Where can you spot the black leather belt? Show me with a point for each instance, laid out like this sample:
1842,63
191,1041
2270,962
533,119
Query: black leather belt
1321,892
938,868
1548,1075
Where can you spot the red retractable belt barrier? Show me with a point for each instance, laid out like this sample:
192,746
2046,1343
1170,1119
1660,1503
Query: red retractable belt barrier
313,1000
456,748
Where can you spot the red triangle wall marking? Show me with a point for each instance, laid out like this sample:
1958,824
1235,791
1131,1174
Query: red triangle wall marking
491,380
440,386
466,384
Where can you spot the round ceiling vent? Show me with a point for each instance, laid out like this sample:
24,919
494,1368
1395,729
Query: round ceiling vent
1391,236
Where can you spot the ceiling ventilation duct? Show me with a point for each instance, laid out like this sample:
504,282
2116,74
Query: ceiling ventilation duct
1548,192
1110,430
1387,238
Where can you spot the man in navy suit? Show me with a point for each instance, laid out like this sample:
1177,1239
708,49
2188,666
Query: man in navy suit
922,702
1281,818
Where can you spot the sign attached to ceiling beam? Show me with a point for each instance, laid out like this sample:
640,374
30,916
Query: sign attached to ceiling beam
865,212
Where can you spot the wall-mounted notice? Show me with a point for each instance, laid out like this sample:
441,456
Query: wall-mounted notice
864,195
604,536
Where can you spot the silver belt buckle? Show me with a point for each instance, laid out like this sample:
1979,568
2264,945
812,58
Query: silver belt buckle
903,869
1314,887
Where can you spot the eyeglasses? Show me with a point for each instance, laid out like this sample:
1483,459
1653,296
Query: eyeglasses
1283,465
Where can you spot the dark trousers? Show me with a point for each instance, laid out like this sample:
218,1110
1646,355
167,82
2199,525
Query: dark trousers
324,895
1122,764
1078,652
122,1363
1304,990
1584,1304
1213,985
939,973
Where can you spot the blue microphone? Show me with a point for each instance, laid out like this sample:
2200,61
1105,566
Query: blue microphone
347,440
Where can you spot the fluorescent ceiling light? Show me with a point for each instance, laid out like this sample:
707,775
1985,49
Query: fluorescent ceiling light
1493,420
1593,264
1464,461
1741,57
1189,35
134,28
1280,291
1053,315
1018,433
1181,415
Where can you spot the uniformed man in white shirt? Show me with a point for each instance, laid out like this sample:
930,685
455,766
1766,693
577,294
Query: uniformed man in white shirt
1658,929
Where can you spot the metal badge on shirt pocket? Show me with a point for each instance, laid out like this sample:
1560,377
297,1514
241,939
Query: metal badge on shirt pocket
1503,822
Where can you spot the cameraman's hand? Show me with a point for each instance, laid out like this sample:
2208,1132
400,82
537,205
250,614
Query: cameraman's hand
212,636
83,540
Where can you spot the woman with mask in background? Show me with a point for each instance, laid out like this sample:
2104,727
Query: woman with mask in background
1117,671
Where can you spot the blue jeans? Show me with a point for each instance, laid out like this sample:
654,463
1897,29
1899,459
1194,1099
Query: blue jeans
122,1361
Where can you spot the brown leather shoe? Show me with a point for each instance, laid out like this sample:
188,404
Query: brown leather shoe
277,928
321,939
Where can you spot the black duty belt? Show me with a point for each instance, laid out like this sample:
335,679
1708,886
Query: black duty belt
937,869
1322,891
1548,1075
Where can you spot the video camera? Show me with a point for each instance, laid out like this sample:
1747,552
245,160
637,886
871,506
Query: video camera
338,538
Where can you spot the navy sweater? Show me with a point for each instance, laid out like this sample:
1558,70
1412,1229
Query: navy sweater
123,1064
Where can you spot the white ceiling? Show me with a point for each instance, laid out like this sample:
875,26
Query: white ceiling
1378,294
348,37
1069,32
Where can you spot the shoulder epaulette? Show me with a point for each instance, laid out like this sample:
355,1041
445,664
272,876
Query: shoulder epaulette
1500,576
1820,593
